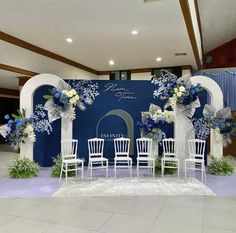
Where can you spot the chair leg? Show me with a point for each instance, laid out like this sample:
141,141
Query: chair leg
202,170
91,170
185,169
178,168
66,172
106,169
88,169
115,169
162,168
76,171
130,168
82,171
61,170
153,169
137,168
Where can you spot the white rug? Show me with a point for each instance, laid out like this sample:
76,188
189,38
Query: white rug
133,187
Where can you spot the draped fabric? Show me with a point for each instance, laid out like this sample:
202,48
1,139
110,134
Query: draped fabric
226,79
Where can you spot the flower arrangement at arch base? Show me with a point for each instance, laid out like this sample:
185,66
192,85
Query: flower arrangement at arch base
62,101
18,128
153,120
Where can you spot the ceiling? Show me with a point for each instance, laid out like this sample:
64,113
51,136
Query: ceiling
101,31
218,20
8,80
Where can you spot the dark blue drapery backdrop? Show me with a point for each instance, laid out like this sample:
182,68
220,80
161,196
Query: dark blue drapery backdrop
115,112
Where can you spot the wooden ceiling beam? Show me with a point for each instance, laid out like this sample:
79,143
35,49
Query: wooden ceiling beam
23,44
17,70
189,25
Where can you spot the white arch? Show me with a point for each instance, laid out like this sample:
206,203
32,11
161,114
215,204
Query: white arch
215,92
27,101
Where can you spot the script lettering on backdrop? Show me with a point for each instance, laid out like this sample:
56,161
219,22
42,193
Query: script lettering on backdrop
120,92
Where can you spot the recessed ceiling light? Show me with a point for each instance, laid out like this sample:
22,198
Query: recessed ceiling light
134,32
158,59
69,40
111,62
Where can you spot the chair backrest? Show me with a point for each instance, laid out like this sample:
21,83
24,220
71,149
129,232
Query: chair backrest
95,147
196,148
69,149
169,147
121,147
144,147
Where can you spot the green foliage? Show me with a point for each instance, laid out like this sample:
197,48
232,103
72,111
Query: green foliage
23,168
220,166
47,97
56,169
167,171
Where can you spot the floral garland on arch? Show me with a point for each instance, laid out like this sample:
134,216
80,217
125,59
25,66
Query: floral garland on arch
153,120
62,101
177,91
18,128
222,121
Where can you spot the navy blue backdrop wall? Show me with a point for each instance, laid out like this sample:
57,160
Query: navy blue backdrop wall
115,112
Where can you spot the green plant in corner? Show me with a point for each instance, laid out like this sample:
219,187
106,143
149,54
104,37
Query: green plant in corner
56,168
220,166
23,168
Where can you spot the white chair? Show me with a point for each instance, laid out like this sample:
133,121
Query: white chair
144,150
70,162
169,159
122,154
196,157
95,148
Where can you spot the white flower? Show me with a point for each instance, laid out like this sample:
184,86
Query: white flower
179,94
65,92
182,89
70,94
73,101
76,97
73,91
175,90
29,131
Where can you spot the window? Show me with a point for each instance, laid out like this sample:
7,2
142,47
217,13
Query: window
120,75
174,70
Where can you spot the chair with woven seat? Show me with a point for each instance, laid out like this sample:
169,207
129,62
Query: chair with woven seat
70,161
122,159
95,148
144,150
169,159
196,157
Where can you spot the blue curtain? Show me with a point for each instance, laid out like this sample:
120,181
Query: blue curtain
226,79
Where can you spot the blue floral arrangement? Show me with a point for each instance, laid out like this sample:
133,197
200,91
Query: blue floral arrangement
222,121
176,91
18,128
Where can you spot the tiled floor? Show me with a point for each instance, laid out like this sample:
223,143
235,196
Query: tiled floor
119,215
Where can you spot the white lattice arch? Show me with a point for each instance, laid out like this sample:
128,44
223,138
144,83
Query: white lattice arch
27,101
216,96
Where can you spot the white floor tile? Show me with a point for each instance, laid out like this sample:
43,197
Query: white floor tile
110,204
24,226
66,229
142,207
68,201
164,226
181,214
126,224
49,212
86,219
220,204
220,219
214,230
191,202
5,219
18,207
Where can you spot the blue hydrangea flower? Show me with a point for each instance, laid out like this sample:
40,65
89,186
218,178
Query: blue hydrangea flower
57,95
193,92
199,85
196,89
7,117
54,89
